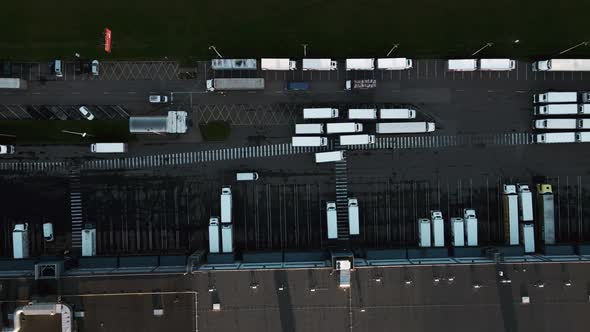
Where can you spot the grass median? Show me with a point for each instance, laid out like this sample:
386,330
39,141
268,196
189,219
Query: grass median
52,132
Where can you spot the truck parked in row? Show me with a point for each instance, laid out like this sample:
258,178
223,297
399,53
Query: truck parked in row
424,237
555,97
344,127
556,109
550,124
481,64
458,232
562,65
362,113
353,216
319,64
510,208
320,113
89,241
235,84
277,64
233,64
527,232
309,141
332,220
226,205
525,200
404,127
471,232
546,213
327,157
357,139
20,241
549,138
360,84
438,228
394,63
13,84
227,238
360,64
309,128
397,113
214,235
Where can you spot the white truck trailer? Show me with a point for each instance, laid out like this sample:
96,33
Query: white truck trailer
20,241
397,113
309,128
562,65
462,65
458,232
362,113
510,204
556,109
226,205
554,124
309,141
326,157
319,64
13,84
353,216
394,63
438,228
497,64
332,220
214,235
344,127
424,237
360,64
235,84
555,97
546,212
277,64
227,238
320,113
525,200
471,232
404,127
528,237
357,139
233,64
89,242
561,137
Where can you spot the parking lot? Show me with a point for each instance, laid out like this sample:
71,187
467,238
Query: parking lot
60,112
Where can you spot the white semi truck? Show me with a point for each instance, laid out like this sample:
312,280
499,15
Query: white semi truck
235,84
438,228
510,205
404,127
353,216
470,220
332,220
214,235
277,64
546,212
562,65
319,64
555,97
424,236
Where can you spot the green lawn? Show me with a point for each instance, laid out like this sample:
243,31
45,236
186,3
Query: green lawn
183,29
50,132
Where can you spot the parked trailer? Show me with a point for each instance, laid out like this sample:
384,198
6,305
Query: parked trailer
277,64
546,213
319,64
360,84
404,127
309,128
13,84
397,113
357,139
457,230
438,228
497,64
510,204
326,157
471,232
226,205
344,127
556,97
89,242
360,64
551,124
548,138
214,235
353,216
424,237
394,63
108,147
462,65
362,113
309,141
556,109
527,232
525,200
320,113
233,64
20,241
227,238
332,220
562,65
235,84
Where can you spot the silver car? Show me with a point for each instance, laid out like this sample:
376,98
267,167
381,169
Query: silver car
95,67
86,113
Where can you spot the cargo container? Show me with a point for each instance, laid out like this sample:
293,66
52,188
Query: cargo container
546,213
309,128
360,64
556,109
357,139
362,113
214,235
89,242
298,86
227,238
13,84
277,64
344,127
309,141
353,216
360,84
510,205
233,64
332,220
556,97
438,228
247,176
394,63
397,113
320,113
108,147
457,230
462,65
424,237
404,127
548,138
235,84
549,124
326,157
582,137
226,205
471,231
319,64
562,65
20,241
496,64
527,232
525,203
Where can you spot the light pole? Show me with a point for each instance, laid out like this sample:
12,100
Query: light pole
304,50
215,50
392,48
585,43
482,48
75,133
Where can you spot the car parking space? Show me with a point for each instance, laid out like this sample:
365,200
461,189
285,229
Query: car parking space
249,115
60,112
148,70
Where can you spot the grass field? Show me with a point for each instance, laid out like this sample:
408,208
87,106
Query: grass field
50,132
183,29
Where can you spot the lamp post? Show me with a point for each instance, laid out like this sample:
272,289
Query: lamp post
392,48
482,48
215,50
584,43
75,133
304,50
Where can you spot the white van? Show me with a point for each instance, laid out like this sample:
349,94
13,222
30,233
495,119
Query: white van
462,65
247,176
309,128
320,113
57,68
556,109
309,141
362,113
344,127
564,137
497,64
326,157
394,63
360,64
226,205
404,127
554,124
108,147
357,139
397,113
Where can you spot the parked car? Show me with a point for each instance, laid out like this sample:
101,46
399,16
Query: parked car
48,231
95,67
158,99
6,149
86,113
